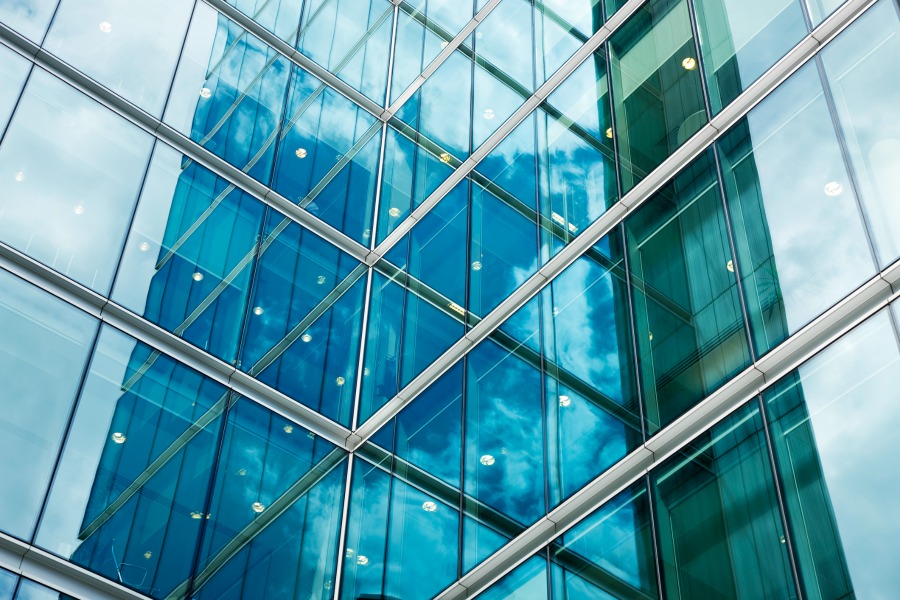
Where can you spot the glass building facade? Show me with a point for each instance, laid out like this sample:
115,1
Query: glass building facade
371,299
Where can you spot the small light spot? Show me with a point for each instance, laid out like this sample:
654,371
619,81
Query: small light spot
366,372
609,133
445,157
301,152
476,266
205,92
306,337
565,401
833,188
367,233
651,336
197,276
320,279
241,472
288,429
258,311
487,460
196,515
429,506
479,35
19,176
350,553
340,381
690,63
730,266
444,44
258,507
143,246
78,209
327,585
148,554
119,438
362,560
394,211
105,26
489,113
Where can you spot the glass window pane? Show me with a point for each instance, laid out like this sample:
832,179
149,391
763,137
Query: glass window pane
124,46
741,40
43,350
281,17
130,495
78,170
13,71
29,17
721,532
820,10
833,424
8,581
275,511
863,68
656,87
187,262
690,327
526,582
800,241
609,554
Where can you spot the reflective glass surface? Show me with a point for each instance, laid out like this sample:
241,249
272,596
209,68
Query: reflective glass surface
741,40
43,350
689,325
862,66
656,86
832,424
76,171
720,529
28,17
800,241
122,46
526,582
13,71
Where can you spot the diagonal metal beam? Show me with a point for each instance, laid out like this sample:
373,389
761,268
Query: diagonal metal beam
643,191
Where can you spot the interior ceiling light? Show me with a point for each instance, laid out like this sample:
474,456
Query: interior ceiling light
196,515
833,188
105,26
241,472
258,507
429,506
205,92
301,152
457,308
306,337
143,246
394,211
362,560
78,209
148,554
198,276
651,336
565,401
340,381
366,372
730,265
258,310
367,233
487,460
489,113
690,63
288,429
119,438
19,176
609,133
476,266
320,279
445,157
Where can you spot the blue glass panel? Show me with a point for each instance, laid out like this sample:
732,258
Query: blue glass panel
13,71
187,263
29,17
43,349
275,511
419,41
75,169
129,497
281,17
366,540
527,582
480,540
8,583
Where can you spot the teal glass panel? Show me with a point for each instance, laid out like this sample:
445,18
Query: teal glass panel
689,325
130,494
13,71
229,93
305,323
281,17
721,533
125,47
275,511
862,67
832,423
510,170
413,168
582,18
611,6
402,542
481,537
8,583
43,350
501,41
29,17
406,333
187,262
504,446
609,554
800,241
29,590
351,39
75,169
495,99
656,87
526,582
740,41
419,39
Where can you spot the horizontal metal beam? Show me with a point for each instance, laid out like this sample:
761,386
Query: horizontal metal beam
873,296
611,219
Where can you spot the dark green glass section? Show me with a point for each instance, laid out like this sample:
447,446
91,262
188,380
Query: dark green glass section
720,530
833,423
689,325
799,236
741,40
656,87
609,554
863,72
